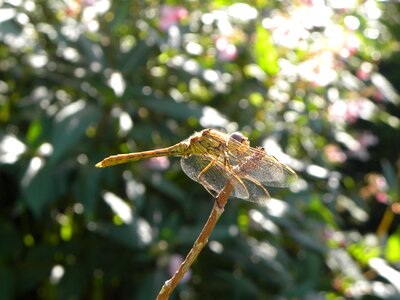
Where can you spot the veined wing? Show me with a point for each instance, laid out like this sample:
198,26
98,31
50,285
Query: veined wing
271,172
262,167
215,177
257,192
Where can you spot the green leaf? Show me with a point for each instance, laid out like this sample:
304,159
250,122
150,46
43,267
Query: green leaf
390,174
392,251
150,285
306,240
317,207
136,58
87,188
135,235
90,51
240,286
169,188
265,53
34,131
38,187
7,283
11,240
36,266
42,184
72,283
175,110
70,125
311,268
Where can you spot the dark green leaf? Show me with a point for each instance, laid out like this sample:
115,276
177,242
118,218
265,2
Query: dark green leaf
172,109
70,125
7,283
136,235
87,189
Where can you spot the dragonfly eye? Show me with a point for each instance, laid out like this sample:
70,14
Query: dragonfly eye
238,137
243,146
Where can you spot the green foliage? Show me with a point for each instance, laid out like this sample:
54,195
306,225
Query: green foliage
264,51
315,84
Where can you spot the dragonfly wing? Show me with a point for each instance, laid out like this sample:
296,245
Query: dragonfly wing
215,177
257,192
273,173
256,163
264,168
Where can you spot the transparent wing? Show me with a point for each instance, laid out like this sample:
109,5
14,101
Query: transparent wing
215,177
257,193
256,163
271,172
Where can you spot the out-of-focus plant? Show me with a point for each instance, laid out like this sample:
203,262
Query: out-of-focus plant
82,79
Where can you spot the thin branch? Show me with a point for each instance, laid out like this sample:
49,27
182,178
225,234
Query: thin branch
199,244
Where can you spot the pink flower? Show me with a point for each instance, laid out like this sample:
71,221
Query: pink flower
377,187
350,110
378,96
157,163
365,70
334,154
381,183
89,2
226,50
171,15
367,139
382,197
359,149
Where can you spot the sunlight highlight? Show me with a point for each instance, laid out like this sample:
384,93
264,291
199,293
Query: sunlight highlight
119,207
117,83
35,165
57,273
11,149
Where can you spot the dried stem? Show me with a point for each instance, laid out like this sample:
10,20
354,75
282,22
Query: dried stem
199,244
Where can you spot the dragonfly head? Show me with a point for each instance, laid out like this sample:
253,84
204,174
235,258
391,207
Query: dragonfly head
238,143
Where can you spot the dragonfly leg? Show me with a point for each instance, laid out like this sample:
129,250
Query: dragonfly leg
235,175
213,162
208,167
240,188
212,193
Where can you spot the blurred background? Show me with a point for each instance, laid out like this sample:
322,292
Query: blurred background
315,82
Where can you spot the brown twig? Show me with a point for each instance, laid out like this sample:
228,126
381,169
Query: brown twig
199,244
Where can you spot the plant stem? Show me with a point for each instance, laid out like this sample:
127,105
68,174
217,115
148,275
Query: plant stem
199,244
385,223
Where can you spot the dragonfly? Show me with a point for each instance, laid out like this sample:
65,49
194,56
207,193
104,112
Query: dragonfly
212,158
